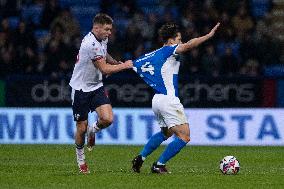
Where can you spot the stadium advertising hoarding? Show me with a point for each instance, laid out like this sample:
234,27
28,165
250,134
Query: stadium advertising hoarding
195,92
38,93
135,126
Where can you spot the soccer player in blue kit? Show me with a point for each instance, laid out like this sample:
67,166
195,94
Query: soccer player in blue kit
159,69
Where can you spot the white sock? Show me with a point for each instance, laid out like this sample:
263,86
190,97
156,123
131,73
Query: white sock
96,128
143,158
159,163
80,156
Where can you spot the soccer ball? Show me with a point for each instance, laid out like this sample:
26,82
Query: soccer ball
229,165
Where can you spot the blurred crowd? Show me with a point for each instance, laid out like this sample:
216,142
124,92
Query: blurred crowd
43,36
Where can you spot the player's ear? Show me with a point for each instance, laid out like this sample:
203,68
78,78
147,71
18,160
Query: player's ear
96,26
170,41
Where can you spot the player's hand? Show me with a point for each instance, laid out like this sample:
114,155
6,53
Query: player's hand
128,64
212,32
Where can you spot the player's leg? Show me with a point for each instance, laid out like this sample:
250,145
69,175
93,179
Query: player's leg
101,104
81,128
80,113
182,133
105,119
79,142
155,141
176,120
105,116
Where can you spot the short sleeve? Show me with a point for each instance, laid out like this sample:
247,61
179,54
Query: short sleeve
95,51
169,50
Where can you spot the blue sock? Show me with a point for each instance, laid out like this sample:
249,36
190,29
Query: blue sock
172,149
153,143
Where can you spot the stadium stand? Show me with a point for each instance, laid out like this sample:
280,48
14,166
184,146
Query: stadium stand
244,40
249,43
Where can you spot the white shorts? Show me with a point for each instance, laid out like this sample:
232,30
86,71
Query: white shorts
168,110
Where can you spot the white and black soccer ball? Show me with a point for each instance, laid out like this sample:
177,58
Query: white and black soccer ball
229,165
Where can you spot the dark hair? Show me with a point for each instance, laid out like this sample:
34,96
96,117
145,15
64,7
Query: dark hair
102,18
167,31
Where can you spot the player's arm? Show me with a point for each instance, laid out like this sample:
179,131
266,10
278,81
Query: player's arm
111,60
110,69
196,41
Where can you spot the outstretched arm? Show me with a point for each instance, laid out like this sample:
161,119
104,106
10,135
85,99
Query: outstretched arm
196,41
110,69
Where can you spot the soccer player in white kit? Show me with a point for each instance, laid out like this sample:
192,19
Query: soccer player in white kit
159,69
88,93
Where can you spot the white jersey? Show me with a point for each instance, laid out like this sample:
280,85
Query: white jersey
86,76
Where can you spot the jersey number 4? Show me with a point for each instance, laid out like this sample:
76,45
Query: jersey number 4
147,67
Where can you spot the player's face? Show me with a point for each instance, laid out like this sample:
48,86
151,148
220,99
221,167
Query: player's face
177,39
103,31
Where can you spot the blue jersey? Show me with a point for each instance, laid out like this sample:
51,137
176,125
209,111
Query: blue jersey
159,69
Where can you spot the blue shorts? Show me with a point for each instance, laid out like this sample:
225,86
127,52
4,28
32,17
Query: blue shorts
84,102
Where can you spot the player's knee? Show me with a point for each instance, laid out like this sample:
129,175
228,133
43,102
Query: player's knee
106,120
185,138
82,130
166,132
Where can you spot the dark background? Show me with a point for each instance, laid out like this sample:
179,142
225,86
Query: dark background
242,66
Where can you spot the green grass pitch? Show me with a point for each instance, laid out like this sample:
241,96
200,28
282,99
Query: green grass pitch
54,166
